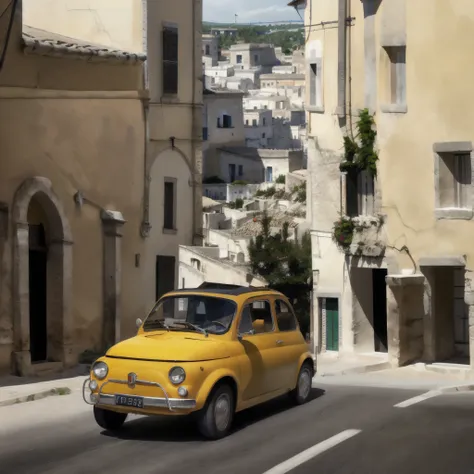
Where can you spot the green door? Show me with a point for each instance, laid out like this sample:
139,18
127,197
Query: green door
332,324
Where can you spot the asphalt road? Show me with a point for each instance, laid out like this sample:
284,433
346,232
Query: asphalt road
59,435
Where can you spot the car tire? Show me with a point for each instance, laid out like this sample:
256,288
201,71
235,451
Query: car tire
109,420
302,392
215,419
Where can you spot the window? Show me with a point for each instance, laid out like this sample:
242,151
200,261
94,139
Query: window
169,205
208,50
203,313
226,121
315,93
246,122
239,59
170,60
397,75
241,170
254,123
264,121
263,135
359,193
285,318
454,180
255,58
256,318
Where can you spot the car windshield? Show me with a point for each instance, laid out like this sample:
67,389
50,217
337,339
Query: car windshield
197,313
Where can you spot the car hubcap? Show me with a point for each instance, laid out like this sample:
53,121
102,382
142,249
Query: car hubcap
222,411
304,384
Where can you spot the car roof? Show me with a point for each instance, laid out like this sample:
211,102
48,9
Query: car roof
226,289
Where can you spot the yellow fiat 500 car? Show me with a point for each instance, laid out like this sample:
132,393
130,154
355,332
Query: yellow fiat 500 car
209,352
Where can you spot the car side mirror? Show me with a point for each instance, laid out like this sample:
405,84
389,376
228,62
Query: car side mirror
139,323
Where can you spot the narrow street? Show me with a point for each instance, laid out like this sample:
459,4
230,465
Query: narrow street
58,435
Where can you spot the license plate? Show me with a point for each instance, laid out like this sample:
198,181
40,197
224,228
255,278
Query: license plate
126,401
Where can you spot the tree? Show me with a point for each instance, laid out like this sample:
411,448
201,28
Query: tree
285,265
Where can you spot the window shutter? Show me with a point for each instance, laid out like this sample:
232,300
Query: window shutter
170,60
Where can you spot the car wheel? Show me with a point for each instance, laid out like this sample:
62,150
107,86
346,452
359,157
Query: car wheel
302,391
215,419
109,420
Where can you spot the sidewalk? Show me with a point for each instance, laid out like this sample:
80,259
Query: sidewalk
15,390
374,370
333,363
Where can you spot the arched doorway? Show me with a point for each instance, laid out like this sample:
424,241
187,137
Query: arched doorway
38,275
42,278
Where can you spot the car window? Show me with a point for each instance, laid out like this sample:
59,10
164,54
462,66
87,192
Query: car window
245,326
285,318
190,312
261,319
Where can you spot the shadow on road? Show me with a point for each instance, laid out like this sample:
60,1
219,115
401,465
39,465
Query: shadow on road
183,429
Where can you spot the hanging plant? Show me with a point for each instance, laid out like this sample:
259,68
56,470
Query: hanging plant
360,155
343,232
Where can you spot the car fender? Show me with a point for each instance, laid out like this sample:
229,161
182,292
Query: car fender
209,383
304,357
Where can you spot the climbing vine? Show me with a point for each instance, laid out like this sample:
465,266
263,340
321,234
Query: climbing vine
359,152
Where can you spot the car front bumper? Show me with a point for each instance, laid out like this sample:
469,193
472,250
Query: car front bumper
97,398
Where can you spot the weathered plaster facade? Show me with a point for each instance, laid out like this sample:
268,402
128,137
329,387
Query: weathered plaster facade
424,142
87,150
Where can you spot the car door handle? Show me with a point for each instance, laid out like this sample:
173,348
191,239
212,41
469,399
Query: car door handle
279,342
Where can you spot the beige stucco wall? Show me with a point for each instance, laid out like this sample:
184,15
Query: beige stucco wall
113,23
67,121
325,149
79,145
439,110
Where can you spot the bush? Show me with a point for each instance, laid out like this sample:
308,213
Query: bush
239,203
299,192
239,182
281,179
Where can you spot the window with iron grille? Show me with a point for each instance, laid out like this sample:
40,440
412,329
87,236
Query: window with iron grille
170,60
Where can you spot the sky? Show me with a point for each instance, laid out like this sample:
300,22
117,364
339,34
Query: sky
248,10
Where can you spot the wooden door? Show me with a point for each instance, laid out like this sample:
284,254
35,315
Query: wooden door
332,324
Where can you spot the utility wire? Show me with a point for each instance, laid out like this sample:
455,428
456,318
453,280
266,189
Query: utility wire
13,5
6,8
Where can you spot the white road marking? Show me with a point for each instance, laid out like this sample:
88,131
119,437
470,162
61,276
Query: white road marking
418,399
312,452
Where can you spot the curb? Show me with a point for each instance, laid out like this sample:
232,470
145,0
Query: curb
359,370
456,388
59,391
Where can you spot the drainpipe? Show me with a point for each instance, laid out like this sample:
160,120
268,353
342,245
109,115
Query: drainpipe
196,131
341,54
145,225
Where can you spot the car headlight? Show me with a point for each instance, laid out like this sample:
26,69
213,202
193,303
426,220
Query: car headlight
100,370
177,375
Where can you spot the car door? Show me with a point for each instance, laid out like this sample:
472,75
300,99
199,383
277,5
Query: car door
292,343
259,358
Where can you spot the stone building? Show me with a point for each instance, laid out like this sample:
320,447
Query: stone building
404,284
95,150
